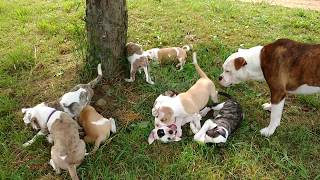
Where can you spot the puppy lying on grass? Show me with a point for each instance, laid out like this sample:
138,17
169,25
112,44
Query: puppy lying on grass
218,130
96,127
68,149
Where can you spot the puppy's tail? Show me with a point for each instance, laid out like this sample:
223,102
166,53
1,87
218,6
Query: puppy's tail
187,47
94,82
199,70
73,172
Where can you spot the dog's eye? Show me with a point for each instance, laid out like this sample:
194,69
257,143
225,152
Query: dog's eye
227,71
169,138
170,132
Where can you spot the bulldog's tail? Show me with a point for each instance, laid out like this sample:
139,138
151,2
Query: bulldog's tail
94,82
199,70
73,172
187,47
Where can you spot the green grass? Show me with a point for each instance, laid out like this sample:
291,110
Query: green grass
42,47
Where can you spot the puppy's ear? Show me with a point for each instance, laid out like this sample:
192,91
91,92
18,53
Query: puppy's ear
24,110
222,132
153,136
239,62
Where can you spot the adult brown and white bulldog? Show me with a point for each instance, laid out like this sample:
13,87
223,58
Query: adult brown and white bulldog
172,112
287,66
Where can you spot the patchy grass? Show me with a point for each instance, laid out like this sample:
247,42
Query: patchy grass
42,48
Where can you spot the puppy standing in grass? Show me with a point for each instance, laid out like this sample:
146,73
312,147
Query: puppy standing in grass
96,127
74,101
172,54
138,60
173,112
68,149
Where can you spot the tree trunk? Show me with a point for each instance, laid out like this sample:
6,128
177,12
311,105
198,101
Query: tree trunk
107,24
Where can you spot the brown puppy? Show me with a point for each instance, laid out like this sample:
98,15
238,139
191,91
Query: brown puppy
138,60
96,127
172,54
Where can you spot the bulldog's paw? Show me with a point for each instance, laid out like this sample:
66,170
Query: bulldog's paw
26,144
129,80
266,106
193,128
267,131
204,111
150,82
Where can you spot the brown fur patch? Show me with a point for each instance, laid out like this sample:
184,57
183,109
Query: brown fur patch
168,113
133,48
288,64
239,62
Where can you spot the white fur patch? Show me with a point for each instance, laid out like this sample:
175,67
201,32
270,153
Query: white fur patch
276,113
305,89
63,157
100,122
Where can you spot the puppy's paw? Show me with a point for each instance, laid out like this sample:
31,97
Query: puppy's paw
266,106
267,131
129,80
204,111
26,144
150,82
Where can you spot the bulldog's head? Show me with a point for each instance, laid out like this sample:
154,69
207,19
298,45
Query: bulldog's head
133,48
165,134
234,70
237,69
30,116
211,133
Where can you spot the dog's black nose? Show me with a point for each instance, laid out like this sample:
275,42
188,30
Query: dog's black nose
160,133
220,78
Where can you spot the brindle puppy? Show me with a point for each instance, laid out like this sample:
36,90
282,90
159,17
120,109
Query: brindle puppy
218,130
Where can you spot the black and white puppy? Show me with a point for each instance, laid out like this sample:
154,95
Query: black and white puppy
218,130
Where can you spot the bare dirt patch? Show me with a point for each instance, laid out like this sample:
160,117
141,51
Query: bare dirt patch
305,4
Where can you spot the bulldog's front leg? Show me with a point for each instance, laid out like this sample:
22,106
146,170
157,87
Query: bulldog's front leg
28,143
179,124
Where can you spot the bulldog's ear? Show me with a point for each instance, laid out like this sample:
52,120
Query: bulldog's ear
153,136
239,62
222,132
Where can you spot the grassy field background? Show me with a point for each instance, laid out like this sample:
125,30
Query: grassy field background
42,50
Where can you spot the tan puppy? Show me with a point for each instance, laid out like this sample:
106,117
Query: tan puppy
184,107
68,150
172,54
96,127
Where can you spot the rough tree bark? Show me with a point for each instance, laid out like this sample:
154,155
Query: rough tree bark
107,24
